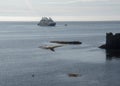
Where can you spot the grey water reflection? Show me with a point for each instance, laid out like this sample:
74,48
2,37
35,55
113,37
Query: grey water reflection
112,54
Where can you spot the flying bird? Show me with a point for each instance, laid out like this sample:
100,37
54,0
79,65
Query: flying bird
52,48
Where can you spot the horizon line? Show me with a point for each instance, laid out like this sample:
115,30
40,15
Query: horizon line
70,21
57,18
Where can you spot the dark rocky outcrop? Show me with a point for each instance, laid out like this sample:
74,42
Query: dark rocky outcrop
66,42
73,75
112,46
112,41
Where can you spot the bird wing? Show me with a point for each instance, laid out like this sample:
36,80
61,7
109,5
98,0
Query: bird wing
52,48
57,46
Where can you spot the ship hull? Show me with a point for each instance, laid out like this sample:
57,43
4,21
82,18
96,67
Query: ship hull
52,24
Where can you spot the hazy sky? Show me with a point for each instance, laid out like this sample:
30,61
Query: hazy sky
60,9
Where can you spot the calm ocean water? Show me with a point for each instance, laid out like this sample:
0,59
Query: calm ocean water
20,57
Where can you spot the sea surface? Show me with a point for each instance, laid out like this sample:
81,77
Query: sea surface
23,63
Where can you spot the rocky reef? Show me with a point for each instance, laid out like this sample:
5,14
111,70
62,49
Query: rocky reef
67,42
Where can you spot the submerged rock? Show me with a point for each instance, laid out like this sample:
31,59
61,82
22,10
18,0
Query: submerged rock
73,75
33,75
66,42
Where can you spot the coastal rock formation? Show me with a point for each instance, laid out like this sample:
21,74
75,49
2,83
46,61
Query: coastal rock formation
112,46
112,41
66,42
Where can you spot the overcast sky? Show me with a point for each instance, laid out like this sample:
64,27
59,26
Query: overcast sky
78,10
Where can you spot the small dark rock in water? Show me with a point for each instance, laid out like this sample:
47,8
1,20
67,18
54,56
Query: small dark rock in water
66,42
33,75
73,75
65,24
